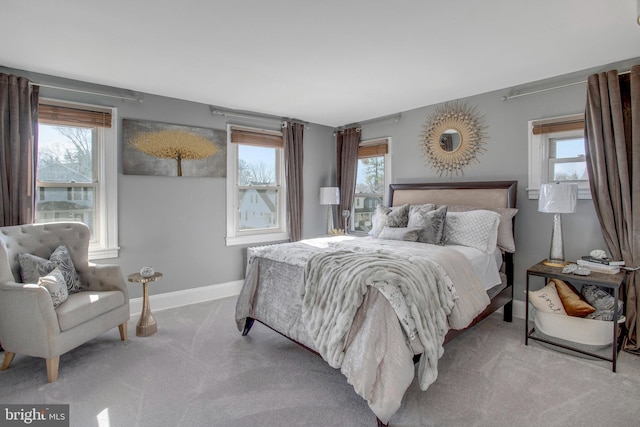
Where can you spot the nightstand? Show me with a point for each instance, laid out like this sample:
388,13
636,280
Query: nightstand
609,281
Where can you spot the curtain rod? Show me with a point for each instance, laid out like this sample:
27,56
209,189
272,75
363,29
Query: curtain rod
123,98
506,98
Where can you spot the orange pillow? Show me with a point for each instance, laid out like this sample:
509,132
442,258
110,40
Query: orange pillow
574,303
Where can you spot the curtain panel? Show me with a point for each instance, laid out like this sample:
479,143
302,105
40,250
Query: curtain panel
612,144
347,143
293,161
18,149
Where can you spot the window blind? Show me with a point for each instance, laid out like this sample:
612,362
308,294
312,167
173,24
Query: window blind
543,128
256,137
53,114
373,149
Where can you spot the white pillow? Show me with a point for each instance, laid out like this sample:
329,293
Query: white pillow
506,242
54,283
476,229
547,300
396,216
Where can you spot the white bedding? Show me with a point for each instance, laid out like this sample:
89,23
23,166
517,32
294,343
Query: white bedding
486,266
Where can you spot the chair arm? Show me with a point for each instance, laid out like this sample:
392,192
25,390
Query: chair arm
105,277
27,318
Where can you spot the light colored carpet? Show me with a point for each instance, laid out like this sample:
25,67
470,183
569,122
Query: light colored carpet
199,371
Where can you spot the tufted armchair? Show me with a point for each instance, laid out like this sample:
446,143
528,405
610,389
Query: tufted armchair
29,324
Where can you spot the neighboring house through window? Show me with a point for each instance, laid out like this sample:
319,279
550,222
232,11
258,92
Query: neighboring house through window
557,153
255,186
76,178
372,181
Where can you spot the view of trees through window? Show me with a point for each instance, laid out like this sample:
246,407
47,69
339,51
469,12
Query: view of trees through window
369,191
258,187
567,160
65,174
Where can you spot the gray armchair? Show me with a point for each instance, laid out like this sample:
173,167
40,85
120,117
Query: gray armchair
29,324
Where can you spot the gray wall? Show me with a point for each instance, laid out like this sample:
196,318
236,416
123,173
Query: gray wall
506,158
178,225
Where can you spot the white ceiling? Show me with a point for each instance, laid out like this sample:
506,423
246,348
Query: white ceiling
331,62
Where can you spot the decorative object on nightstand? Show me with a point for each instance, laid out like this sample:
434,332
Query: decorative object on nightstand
147,323
329,196
346,214
557,199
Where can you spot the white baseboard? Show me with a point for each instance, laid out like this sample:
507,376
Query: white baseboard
187,296
518,309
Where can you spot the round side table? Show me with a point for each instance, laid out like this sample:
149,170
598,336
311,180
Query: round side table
147,324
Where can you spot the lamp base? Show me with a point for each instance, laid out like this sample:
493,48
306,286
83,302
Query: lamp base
555,263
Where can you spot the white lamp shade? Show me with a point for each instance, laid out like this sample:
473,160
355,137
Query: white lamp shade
329,196
558,198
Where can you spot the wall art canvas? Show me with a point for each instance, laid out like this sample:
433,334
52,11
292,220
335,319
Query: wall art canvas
161,149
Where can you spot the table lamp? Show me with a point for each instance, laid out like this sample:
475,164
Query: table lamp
557,199
329,196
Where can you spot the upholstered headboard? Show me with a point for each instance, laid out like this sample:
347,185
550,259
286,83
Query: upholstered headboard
488,194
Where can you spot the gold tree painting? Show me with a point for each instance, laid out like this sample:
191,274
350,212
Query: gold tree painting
151,148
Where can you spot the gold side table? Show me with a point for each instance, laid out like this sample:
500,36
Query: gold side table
147,324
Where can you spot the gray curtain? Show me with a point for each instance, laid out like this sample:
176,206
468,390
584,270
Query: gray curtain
612,143
347,166
293,160
18,149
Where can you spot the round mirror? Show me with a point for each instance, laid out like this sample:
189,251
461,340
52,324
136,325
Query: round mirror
453,136
450,140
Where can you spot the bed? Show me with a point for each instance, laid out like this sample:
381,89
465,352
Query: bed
376,306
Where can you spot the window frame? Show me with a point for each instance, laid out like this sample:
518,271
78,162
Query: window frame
539,154
387,172
244,237
105,163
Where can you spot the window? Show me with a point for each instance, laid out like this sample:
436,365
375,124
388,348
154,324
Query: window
371,182
255,186
557,153
76,178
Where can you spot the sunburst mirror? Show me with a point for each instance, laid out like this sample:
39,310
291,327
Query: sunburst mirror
453,136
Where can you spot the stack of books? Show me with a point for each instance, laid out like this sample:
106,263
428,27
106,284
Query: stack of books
601,265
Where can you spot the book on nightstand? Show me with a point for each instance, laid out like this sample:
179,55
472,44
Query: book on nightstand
600,268
605,261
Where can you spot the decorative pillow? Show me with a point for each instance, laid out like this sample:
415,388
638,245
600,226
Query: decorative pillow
397,216
54,282
33,267
431,223
399,233
63,260
547,300
573,303
601,300
477,229
505,241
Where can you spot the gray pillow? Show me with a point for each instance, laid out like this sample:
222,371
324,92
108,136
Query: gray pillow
399,233
430,223
33,267
399,218
56,285
601,300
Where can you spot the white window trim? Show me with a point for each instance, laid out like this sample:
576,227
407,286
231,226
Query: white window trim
106,245
387,175
539,156
387,162
235,237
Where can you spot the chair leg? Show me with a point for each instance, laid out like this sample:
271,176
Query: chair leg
52,369
123,331
8,358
